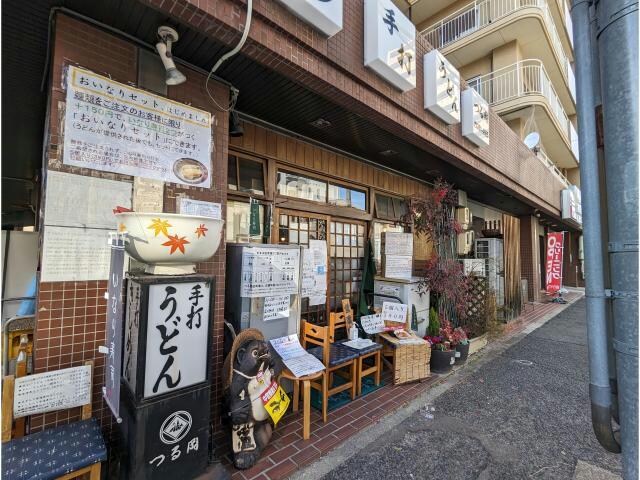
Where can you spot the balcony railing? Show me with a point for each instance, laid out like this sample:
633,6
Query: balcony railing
482,13
526,77
553,168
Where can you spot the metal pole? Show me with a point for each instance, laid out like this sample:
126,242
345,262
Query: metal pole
618,45
599,387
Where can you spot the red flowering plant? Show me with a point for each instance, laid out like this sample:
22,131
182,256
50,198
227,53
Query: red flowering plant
433,217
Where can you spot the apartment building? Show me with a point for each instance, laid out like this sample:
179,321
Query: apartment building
518,54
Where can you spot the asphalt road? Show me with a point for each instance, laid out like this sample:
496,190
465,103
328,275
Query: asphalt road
524,414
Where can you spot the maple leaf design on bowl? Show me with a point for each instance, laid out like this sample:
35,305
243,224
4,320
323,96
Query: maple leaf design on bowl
176,243
201,231
159,226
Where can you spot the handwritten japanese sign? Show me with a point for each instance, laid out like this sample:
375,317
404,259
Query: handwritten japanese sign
177,336
276,307
111,389
269,271
113,127
372,324
390,44
394,312
555,247
50,391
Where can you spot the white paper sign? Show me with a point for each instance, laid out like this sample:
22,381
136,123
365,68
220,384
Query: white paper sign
325,15
441,87
396,243
475,117
276,307
266,271
80,201
50,391
372,324
113,127
394,312
188,206
390,44
398,266
177,336
295,357
314,272
75,254
148,195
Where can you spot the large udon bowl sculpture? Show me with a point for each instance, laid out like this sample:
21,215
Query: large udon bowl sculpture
169,243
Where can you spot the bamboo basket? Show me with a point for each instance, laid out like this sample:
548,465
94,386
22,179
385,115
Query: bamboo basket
409,363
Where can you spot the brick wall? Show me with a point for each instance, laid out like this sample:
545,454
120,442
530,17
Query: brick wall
71,316
334,69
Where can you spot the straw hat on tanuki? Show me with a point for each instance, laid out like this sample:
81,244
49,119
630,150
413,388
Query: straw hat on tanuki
243,337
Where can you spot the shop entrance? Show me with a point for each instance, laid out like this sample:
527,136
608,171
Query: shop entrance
345,248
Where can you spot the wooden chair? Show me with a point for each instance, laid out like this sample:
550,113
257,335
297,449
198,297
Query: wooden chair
335,358
336,322
64,452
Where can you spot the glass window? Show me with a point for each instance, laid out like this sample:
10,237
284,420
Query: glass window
245,175
232,175
238,215
390,208
251,176
298,186
346,197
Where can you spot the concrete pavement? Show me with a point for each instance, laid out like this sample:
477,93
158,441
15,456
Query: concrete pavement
520,410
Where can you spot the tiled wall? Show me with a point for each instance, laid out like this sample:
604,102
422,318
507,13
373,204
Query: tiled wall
334,68
71,316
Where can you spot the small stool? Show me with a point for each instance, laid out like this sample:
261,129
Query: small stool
306,397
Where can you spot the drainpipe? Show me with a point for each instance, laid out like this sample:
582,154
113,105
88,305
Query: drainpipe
618,45
597,102
599,387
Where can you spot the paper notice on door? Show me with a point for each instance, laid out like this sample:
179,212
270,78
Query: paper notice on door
276,307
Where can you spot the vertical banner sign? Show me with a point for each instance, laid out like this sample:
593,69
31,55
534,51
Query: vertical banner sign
254,218
111,390
555,246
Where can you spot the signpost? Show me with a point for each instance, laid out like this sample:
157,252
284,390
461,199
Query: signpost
111,390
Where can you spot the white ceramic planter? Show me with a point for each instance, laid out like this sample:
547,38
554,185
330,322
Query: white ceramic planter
169,243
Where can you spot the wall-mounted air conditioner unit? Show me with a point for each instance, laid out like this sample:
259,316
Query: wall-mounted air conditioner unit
465,242
464,217
475,266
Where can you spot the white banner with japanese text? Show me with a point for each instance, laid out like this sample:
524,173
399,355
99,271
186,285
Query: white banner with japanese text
117,128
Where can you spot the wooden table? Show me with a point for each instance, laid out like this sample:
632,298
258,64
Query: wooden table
306,397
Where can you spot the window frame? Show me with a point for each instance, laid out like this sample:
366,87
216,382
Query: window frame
238,156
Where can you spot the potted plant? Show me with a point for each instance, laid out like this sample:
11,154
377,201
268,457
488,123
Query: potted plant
461,343
442,355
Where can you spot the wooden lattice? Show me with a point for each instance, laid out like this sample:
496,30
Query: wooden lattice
476,320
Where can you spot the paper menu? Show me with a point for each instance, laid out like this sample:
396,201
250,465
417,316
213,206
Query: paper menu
296,358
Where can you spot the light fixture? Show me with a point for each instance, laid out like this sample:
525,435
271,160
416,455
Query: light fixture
168,36
235,127
321,123
388,153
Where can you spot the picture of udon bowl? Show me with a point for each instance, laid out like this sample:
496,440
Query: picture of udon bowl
190,171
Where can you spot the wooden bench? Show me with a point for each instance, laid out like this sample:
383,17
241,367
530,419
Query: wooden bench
63,452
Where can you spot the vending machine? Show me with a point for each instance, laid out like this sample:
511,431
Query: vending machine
263,288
